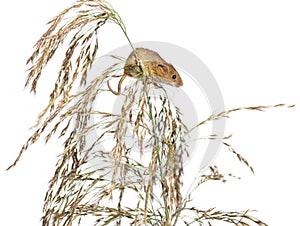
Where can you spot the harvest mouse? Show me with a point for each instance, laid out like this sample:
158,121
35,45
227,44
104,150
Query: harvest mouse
153,66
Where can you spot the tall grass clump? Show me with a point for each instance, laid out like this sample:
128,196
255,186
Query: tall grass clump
101,191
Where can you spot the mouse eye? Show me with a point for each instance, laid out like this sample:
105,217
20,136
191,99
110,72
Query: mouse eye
173,76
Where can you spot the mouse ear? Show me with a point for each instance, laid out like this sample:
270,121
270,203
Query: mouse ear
161,67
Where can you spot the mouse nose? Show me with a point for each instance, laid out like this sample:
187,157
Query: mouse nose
179,83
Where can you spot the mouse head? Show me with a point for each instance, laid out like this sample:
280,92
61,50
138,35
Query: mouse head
166,73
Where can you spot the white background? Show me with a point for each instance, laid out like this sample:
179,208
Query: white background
251,47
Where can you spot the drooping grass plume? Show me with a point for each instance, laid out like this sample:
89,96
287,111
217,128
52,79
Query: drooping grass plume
78,25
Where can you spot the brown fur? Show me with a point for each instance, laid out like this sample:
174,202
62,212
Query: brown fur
153,65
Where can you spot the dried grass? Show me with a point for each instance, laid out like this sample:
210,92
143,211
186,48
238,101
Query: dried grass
78,189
